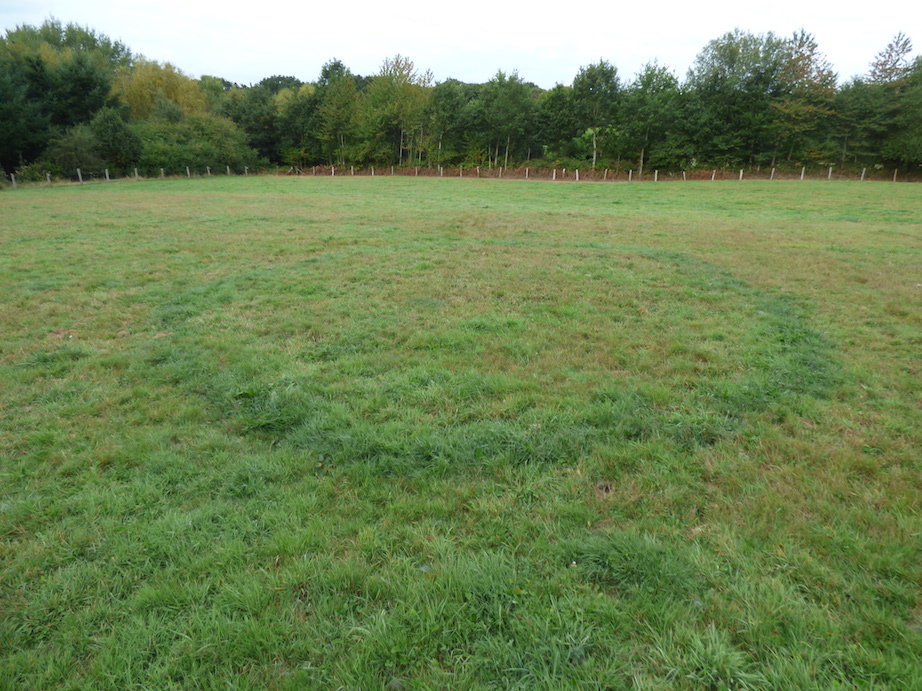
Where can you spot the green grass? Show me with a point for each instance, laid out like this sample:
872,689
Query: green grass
391,433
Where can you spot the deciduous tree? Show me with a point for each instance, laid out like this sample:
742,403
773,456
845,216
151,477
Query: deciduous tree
595,90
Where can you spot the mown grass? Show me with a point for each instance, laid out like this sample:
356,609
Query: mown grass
407,434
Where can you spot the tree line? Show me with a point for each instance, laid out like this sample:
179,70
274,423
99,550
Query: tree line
72,98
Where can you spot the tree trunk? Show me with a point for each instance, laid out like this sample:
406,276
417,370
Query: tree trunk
506,162
594,147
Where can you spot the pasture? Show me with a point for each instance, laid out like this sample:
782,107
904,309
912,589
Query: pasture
397,433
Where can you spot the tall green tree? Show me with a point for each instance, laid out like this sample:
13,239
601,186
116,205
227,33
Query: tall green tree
116,143
649,113
905,142
874,113
730,90
805,105
394,109
147,80
297,117
61,38
595,90
447,106
51,77
337,110
558,122
507,108
25,126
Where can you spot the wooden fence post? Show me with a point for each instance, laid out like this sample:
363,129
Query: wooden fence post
803,172
13,178
188,172
577,174
655,176
79,176
894,174
863,171
630,175
829,176
554,176
741,173
713,175
228,169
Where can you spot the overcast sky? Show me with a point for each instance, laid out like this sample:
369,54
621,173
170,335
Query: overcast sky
468,40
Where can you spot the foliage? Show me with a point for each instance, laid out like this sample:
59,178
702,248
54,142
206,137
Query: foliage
732,86
73,149
71,38
749,100
805,104
650,110
197,142
892,63
116,142
338,111
557,122
51,78
506,111
148,81
596,91
393,110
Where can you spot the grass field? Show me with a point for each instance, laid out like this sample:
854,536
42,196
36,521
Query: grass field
395,433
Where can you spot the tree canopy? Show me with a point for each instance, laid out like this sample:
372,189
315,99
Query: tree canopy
69,94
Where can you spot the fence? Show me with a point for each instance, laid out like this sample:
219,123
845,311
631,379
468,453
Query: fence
519,173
